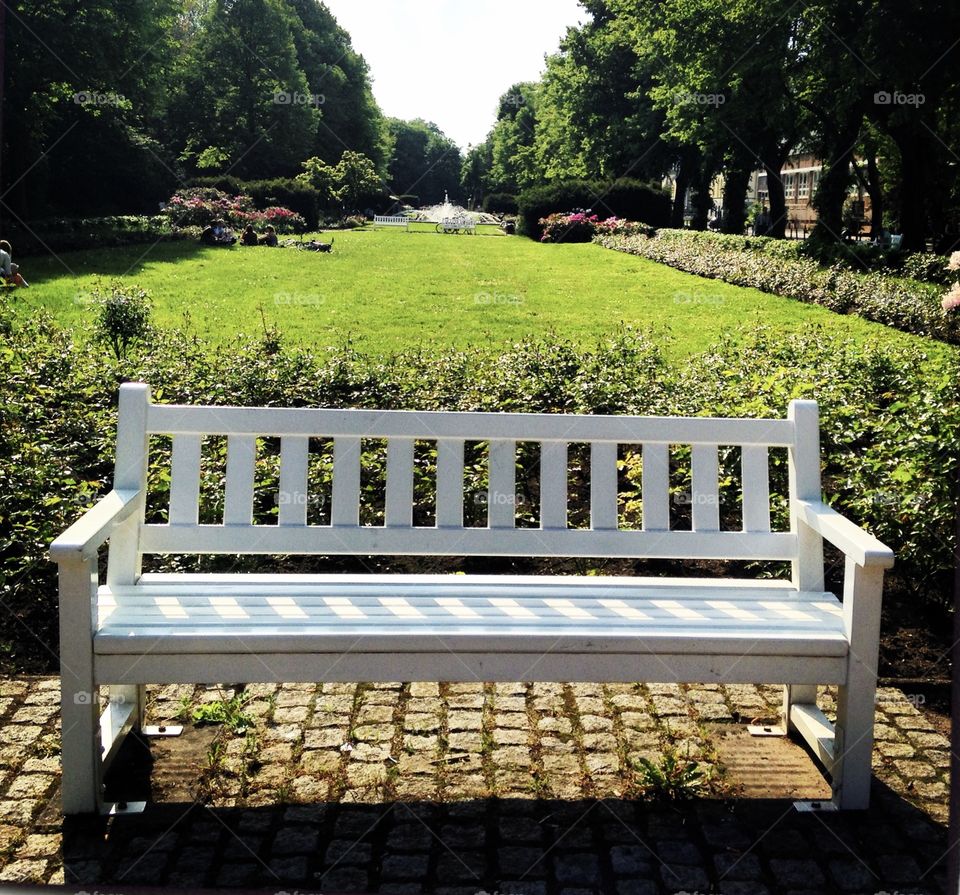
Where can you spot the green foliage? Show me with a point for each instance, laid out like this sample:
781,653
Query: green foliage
228,712
890,421
624,198
500,203
75,234
672,778
423,159
904,304
244,103
123,316
350,184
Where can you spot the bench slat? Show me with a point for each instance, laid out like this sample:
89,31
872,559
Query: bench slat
553,485
704,492
655,487
502,490
294,461
399,499
241,462
629,666
603,486
746,618
450,483
371,540
755,472
345,509
173,419
185,480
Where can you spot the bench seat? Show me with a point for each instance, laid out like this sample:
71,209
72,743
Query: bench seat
327,627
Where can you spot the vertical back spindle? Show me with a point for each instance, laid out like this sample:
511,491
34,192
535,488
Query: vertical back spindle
656,487
399,500
185,480
553,485
755,473
502,491
345,510
241,460
294,459
450,483
603,485
705,493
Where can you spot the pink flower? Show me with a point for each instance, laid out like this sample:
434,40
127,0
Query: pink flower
951,301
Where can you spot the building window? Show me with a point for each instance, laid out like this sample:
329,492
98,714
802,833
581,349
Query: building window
788,187
803,191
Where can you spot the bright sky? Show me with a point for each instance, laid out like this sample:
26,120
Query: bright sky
449,61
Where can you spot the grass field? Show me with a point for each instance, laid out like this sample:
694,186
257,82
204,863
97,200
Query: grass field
389,290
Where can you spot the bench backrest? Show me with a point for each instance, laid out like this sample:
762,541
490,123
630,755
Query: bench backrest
390,220
139,419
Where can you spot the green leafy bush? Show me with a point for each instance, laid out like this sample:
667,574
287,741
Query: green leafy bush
123,316
904,304
890,424
630,199
81,234
500,203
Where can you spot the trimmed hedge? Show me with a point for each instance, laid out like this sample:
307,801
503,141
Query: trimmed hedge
630,199
890,423
904,304
81,234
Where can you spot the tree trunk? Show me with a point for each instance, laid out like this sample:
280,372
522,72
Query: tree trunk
734,198
702,202
773,165
684,173
915,160
832,191
875,188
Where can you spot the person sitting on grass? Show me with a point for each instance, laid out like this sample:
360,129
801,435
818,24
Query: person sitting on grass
249,237
8,270
270,238
217,234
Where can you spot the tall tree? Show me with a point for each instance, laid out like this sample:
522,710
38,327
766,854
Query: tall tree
245,106
424,161
83,105
514,163
339,75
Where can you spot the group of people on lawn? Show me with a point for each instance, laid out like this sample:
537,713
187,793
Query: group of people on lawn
9,272
218,234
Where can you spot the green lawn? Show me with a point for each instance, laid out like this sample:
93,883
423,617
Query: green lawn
390,289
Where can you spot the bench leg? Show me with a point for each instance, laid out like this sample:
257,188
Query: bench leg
79,699
796,694
130,694
853,750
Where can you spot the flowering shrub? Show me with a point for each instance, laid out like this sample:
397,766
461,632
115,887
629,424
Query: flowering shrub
201,206
581,227
905,304
577,227
622,227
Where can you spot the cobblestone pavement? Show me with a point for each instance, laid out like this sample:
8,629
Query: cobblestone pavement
521,789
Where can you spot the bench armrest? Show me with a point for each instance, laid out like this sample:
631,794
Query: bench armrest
861,546
82,539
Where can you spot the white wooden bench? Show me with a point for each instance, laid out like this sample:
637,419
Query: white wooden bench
135,628
391,220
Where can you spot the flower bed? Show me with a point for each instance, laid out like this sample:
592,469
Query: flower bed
910,305
200,206
583,227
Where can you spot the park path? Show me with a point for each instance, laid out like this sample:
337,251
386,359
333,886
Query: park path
521,789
